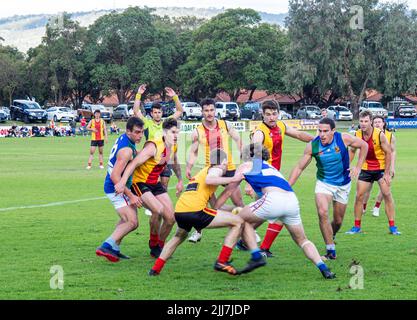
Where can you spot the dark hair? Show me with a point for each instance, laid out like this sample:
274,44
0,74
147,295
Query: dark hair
169,123
366,113
207,102
156,105
270,104
217,156
383,120
97,111
328,121
250,151
134,122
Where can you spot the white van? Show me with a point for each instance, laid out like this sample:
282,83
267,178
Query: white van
227,110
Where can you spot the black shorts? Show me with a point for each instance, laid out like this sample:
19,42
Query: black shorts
197,220
371,175
97,143
167,172
140,188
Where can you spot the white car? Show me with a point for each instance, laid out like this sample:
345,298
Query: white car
340,112
60,114
227,110
375,107
284,115
192,110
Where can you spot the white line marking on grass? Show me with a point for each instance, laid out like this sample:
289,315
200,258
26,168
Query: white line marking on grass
52,204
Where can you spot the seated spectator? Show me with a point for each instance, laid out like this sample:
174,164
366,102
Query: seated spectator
12,132
24,132
73,125
36,131
114,128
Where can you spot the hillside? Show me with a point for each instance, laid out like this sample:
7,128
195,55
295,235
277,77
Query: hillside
26,32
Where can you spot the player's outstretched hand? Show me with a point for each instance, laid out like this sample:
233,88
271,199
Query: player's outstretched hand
249,191
170,92
142,88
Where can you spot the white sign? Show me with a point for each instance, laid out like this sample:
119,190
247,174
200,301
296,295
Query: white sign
187,127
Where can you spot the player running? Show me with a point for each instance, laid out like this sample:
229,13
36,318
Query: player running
271,134
379,122
191,211
126,203
276,201
330,150
377,167
146,168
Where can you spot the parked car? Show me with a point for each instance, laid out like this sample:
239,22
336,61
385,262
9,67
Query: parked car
283,115
341,113
405,111
123,111
252,111
375,107
7,111
3,116
168,108
192,110
308,112
60,114
227,110
27,111
87,111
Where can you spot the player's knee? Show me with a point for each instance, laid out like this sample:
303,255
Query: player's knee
323,215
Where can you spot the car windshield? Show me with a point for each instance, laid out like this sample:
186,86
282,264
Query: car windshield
99,107
375,105
32,105
231,106
316,109
407,108
64,109
341,109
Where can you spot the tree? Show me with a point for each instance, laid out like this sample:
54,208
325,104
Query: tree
339,55
12,68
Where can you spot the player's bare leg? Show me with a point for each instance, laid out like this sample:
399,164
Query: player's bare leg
100,156
389,206
361,188
91,157
168,219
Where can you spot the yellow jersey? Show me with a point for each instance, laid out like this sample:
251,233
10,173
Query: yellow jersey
218,138
375,159
197,195
99,125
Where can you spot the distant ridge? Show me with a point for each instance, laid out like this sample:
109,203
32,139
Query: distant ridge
26,31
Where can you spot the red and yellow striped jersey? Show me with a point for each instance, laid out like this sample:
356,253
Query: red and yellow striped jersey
273,142
388,134
150,171
99,125
218,138
375,159
197,194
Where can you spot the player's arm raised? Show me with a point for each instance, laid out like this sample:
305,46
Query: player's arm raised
356,143
302,164
136,106
299,135
193,153
386,147
147,152
179,110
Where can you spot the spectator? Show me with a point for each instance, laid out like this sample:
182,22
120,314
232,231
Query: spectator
12,132
83,126
73,125
114,128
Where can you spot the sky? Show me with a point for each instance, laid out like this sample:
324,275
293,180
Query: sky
24,7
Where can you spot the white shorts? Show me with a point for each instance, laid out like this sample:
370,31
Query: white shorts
118,200
339,193
275,206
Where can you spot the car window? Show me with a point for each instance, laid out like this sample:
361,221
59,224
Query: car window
375,105
219,106
231,106
342,109
313,109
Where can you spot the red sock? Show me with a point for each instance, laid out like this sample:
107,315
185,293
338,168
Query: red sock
391,223
89,164
225,254
159,264
101,163
161,243
364,206
377,204
357,223
153,240
272,232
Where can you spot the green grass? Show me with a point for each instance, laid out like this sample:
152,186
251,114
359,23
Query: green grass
39,171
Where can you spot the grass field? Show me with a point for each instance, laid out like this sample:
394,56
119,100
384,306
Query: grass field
66,231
